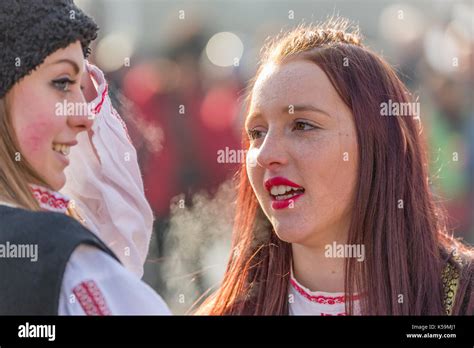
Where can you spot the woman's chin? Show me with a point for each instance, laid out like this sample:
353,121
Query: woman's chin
291,233
57,181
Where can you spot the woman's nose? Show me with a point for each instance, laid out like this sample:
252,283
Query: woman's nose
272,152
81,119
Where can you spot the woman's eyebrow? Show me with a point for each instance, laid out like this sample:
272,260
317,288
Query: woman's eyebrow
288,110
68,61
303,107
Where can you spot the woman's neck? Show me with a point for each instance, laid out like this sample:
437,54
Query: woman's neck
315,270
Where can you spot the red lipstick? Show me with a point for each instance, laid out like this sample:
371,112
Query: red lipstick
283,203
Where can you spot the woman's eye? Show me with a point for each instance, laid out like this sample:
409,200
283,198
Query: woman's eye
254,134
303,126
63,84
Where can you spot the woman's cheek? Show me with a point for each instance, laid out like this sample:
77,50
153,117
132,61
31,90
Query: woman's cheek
253,170
34,126
251,159
33,137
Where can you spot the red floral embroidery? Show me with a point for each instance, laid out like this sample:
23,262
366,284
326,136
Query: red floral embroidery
319,299
50,200
91,299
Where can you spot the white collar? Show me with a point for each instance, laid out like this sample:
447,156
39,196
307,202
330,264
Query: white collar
47,199
308,302
322,297
50,200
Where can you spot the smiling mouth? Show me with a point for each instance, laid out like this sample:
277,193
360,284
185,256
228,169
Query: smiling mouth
283,192
62,149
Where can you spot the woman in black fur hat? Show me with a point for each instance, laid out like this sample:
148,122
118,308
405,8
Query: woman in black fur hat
50,263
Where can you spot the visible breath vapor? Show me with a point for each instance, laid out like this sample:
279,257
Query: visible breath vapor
197,246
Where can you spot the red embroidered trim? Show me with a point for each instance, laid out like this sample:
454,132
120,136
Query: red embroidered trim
91,299
50,200
113,111
99,106
320,299
330,315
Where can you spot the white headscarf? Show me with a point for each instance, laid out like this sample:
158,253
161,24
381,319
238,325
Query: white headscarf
108,189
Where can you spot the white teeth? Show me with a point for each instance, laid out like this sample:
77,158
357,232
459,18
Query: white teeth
61,148
65,150
282,198
279,190
282,189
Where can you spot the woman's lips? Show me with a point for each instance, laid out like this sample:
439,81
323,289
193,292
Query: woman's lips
62,158
282,204
61,150
279,180
282,187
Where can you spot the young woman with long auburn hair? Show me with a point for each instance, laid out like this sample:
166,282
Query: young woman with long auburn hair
327,169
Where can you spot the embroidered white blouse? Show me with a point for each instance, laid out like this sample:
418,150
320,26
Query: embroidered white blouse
306,302
94,283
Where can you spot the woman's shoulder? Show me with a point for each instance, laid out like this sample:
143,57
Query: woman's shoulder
458,278
459,255
29,218
37,227
36,247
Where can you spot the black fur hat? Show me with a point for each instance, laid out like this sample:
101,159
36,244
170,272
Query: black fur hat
31,30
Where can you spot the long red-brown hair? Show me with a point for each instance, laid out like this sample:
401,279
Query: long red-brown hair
401,274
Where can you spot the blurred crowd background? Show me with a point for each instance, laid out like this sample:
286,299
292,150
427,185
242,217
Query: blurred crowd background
177,72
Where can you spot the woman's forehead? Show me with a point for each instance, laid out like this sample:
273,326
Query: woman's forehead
295,82
71,54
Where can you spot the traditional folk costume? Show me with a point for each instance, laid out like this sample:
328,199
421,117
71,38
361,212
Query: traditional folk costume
458,291
75,272
303,301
